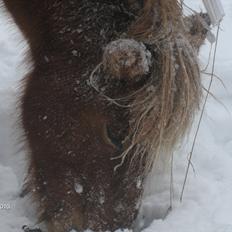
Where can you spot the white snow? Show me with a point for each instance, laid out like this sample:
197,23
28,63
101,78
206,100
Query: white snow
78,188
207,202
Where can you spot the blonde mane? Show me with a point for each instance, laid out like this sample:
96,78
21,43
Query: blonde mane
163,110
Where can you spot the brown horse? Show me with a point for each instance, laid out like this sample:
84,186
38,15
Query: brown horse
74,134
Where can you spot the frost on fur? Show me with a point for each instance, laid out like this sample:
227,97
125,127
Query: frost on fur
126,58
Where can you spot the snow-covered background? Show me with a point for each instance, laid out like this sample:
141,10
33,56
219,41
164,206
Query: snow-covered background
207,202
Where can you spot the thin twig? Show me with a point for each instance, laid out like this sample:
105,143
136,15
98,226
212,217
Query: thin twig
171,183
201,116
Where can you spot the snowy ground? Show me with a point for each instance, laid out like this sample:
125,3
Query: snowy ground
207,202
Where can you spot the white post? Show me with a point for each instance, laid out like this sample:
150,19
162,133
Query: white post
215,10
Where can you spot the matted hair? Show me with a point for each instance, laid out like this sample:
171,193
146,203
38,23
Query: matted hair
164,109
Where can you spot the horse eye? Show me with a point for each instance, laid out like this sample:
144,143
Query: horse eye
112,138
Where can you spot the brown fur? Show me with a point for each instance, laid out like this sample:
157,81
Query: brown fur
74,134
65,120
